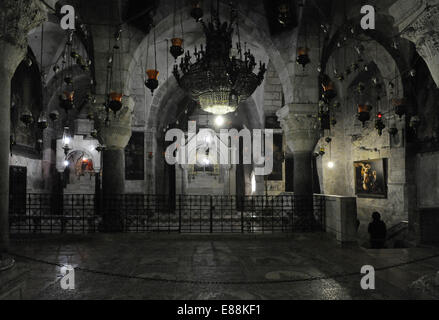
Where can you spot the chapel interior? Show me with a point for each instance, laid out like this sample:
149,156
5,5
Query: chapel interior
100,123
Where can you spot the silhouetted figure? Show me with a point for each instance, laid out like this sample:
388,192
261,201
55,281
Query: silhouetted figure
378,231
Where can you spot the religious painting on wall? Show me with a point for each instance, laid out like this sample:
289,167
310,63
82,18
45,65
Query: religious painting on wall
134,158
371,178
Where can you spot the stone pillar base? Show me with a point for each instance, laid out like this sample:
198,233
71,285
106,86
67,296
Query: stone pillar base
6,263
13,283
113,186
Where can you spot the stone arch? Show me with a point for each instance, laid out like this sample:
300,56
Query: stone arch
249,31
373,52
78,144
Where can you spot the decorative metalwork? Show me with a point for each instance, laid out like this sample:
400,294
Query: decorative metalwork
218,79
84,213
114,69
152,83
379,124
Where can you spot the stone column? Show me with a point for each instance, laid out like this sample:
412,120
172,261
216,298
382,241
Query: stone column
10,57
289,173
418,21
115,136
301,128
17,18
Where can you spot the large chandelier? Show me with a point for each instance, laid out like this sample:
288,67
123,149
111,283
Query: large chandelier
219,79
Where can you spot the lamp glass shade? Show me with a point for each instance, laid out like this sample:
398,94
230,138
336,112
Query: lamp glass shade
302,51
116,96
178,42
152,74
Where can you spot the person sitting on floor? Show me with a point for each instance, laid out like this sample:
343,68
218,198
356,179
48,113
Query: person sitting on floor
378,231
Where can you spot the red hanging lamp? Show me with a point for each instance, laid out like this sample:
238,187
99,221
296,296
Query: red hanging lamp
152,82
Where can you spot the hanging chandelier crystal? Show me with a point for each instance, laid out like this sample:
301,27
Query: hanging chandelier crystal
217,79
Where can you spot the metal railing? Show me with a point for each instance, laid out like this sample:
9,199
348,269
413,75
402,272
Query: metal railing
85,213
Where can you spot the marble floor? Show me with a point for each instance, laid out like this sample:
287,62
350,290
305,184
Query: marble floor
152,266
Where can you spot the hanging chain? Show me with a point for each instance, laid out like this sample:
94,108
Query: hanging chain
181,24
155,50
174,18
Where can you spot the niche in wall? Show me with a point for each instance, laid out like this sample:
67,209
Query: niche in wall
26,95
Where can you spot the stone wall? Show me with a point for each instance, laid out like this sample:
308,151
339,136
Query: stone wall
348,147
351,141
35,181
273,101
273,95
428,180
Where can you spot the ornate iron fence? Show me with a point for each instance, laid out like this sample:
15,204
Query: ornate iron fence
73,213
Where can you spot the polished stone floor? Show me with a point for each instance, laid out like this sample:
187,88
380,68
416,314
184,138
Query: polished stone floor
214,267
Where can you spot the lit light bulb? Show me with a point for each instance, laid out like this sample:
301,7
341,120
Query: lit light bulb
331,165
219,121
66,163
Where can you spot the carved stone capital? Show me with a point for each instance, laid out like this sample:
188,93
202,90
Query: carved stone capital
301,126
17,18
10,58
418,21
117,132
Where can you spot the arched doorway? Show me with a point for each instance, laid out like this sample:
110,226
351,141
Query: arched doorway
79,173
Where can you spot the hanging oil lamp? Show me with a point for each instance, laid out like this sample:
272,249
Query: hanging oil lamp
400,106
197,11
152,82
364,113
177,43
415,122
338,76
324,118
177,47
66,140
94,134
379,124
283,13
26,117
303,57
114,70
66,100
393,130
54,115
359,49
39,145
68,80
90,115
360,88
42,122
28,61
115,101
329,92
